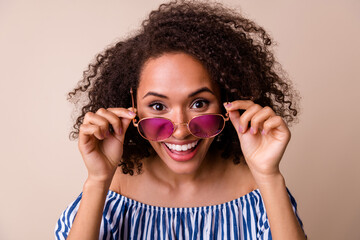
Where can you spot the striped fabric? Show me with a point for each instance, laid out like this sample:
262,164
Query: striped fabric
124,218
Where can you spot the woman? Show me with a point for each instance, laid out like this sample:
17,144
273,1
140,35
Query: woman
163,161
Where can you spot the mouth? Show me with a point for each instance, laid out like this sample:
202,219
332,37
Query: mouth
182,152
181,148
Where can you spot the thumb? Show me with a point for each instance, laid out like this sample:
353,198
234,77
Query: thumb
234,116
235,120
124,124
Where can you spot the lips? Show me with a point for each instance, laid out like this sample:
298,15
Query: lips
182,152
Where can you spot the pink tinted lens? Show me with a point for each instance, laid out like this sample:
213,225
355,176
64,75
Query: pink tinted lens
156,129
206,126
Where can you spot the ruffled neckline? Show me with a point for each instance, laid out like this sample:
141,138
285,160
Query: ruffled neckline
114,195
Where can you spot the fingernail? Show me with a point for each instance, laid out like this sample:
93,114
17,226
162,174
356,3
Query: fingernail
132,114
228,105
263,132
120,131
252,131
241,130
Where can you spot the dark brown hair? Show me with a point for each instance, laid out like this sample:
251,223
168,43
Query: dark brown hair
235,51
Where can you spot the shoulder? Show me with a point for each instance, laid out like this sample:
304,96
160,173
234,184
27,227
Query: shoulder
240,178
66,219
126,184
119,177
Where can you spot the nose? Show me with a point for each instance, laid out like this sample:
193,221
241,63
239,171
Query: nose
181,131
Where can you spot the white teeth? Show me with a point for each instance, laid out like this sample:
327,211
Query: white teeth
184,147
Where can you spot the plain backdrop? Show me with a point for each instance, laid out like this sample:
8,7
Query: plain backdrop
45,46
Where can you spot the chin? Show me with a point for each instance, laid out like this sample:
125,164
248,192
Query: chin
183,168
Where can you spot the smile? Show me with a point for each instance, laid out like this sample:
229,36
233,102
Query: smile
182,152
180,148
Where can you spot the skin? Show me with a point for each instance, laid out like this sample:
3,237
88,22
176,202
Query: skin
198,181
159,76
171,183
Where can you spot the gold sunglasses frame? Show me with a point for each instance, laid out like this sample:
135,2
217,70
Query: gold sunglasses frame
136,123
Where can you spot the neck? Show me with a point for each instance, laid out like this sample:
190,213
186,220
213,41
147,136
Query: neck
209,170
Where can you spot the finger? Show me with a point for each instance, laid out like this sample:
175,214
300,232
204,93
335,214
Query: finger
273,123
234,118
87,131
246,117
112,118
125,115
95,119
238,104
123,112
260,117
233,109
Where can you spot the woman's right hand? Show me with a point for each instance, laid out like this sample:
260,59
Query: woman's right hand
100,149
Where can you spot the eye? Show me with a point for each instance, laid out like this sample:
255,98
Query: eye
200,103
157,106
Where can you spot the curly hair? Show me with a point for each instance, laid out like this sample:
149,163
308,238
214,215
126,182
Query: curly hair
235,51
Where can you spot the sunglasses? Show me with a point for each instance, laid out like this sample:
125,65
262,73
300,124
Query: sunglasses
159,128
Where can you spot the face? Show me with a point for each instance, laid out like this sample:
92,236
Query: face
176,86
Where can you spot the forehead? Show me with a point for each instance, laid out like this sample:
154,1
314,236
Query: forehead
174,72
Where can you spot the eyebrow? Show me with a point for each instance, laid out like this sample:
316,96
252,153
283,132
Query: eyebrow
204,89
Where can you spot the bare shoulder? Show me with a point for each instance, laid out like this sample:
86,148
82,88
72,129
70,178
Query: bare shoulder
242,178
119,181
115,183
126,184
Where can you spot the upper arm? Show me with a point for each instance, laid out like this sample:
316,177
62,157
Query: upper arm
66,220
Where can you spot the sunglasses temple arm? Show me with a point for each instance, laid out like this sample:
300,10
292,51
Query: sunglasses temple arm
227,113
227,116
134,121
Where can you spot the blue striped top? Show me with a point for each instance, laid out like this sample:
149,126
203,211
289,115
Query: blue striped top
125,218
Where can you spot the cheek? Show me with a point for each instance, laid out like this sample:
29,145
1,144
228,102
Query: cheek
140,111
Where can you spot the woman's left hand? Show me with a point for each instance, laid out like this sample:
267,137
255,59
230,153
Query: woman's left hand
263,143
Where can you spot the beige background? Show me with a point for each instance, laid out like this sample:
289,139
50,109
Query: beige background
45,46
